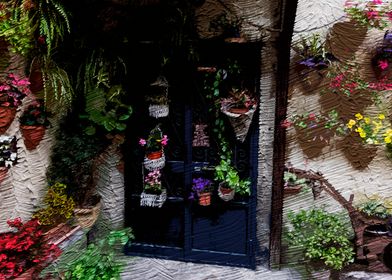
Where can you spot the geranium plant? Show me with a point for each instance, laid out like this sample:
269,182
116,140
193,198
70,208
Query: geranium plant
313,53
12,90
369,13
155,141
152,182
372,130
8,149
23,248
346,80
59,206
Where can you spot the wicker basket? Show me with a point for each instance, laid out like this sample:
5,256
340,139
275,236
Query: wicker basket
240,121
154,164
153,200
86,217
224,194
158,110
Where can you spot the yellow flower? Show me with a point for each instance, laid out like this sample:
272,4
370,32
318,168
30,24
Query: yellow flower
367,120
387,140
388,132
359,130
351,123
362,134
359,116
381,116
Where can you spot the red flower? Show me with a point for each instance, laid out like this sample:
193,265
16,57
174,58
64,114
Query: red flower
286,123
383,64
371,14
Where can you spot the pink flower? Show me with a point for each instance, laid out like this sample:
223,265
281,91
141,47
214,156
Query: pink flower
142,142
312,116
371,14
389,14
164,140
286,124
383,64
377,2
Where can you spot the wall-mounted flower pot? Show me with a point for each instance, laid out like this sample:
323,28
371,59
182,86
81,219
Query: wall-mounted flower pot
292,190
154,164
87,216
204,199
240,120
32,135
224,193
153,200
3,173
7,115
154,155
36,78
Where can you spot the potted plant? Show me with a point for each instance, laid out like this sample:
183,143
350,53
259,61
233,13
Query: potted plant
59,206
383,57
153,194
12,91
154,156
229,181
158,99
23,248
201,187
239,107
33,123
8,155
228,26
313,53
293,184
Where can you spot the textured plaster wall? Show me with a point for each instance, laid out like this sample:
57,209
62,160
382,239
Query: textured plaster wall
348,165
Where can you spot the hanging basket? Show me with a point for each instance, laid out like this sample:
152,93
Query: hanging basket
32,135
239,120
154,164
204,199
225,194
3,173
158,110
153,200
7,115
86,217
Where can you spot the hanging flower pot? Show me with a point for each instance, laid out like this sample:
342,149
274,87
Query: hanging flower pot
154,155
36,77
239,107
33,124
159,101
3,173
32,135
224,193
204,198
7,115
153,194
153,200
154,164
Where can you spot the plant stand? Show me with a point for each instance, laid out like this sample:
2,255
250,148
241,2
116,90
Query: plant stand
158,110
225,194
154,164
32,135
153,200
7,115
86,217
240,121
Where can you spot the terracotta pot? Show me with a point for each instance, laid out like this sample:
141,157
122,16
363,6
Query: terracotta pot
154,155
204,199
3,173
238,110
32,135
36,78
292,190
7,115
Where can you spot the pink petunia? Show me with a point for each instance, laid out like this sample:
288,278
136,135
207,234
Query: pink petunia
377,2
164,140
372,14
383,64
142,142
389,14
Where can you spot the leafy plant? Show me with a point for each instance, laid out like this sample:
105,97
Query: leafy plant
35,114
99,260
13,90
375,205
313,53
155,141
8,149
104,106
322,236
369,13
23,248
225,172
59,206
291,179
226,24
159,92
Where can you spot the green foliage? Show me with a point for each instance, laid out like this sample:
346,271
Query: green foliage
59,206
226,24
99,261
376,206
17,29
323,236
104,107
312,46
292,180
225,172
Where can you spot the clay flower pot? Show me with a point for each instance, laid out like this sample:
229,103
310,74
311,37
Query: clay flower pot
32,135
7,115
204,198
154,155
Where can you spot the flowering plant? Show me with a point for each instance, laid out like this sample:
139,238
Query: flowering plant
346,80
155,141
383,56
313,53
373,14
375,205
8,150
13,90
311,120
200,185
24,248
238,99
372,131
35,114
152,182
